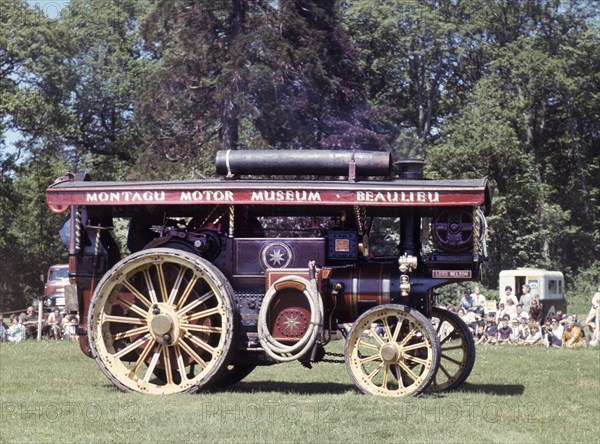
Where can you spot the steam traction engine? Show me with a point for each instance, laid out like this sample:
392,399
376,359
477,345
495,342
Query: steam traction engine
228,274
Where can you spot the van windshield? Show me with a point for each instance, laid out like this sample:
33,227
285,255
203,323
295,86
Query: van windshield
59,273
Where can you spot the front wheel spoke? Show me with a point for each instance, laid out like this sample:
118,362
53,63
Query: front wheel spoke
417,360
123,320
141,358
168,368
386,327
386,371
416,346
132,346
132,307
204,314
408,371
397,329
200,343
448,358
205,297
201,328
443,369
369,359
362,344
446,338
408,337
453,347
130,333
193,354
375,335
176,285
139,296
376,370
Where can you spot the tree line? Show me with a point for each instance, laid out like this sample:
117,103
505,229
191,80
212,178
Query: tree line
150,89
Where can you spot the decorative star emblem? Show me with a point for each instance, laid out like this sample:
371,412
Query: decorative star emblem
291,323
277,256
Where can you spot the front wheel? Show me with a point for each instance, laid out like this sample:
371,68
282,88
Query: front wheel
392,350
163,321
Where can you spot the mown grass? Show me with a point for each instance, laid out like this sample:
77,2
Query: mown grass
50,392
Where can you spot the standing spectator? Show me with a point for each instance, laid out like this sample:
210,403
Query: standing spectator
572,336
3,329
536,311
54,322
17,331
526,298
508,295
593,319
467,302
478,301
504,333
29,321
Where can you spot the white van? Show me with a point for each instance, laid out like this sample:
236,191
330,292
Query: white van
548,285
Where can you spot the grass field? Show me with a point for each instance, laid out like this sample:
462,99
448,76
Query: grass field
50,392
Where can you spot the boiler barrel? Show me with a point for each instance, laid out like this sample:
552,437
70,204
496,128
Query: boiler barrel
302,162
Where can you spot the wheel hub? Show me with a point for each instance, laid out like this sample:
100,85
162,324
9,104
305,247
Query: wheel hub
390,353
163,324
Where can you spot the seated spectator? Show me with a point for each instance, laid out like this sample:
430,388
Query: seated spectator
511,309
29,319
479,335
467,303
54,323
478,301
491,332
500,312
524,330
70,327
554,333
3,329
17,331
535,336
515,335
520,314
572,336
504,333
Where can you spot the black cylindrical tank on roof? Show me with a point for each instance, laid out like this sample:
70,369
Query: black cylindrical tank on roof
302,162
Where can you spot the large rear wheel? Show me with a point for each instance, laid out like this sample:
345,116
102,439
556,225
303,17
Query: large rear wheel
392,350
163,321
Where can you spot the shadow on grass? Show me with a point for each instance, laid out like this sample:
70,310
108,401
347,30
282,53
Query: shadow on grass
493,389
290,387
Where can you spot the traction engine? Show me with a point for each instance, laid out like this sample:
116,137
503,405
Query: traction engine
216,277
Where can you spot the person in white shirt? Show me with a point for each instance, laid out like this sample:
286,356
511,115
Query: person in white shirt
511,309
520,313
508,295
535,336
17,331
478,301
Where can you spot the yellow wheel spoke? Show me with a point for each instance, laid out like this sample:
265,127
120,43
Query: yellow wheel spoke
141,358
408,371
202,299
369,359
176,285
201,328
376,370
417,360
386,327
152,364
414,346
204,314
130,333
132,346
187,292
363,344
408,336
139,296
160,274
385,376
397,329
168,368
133,307
150,286
375,335
193,354
200,343
122,320
180,363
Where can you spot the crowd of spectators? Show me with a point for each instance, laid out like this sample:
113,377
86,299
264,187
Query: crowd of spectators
25,326
523,323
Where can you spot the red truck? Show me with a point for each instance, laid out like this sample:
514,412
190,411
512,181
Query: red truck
54,286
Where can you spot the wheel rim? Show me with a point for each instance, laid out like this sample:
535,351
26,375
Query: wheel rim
392,350
457,350
162,312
